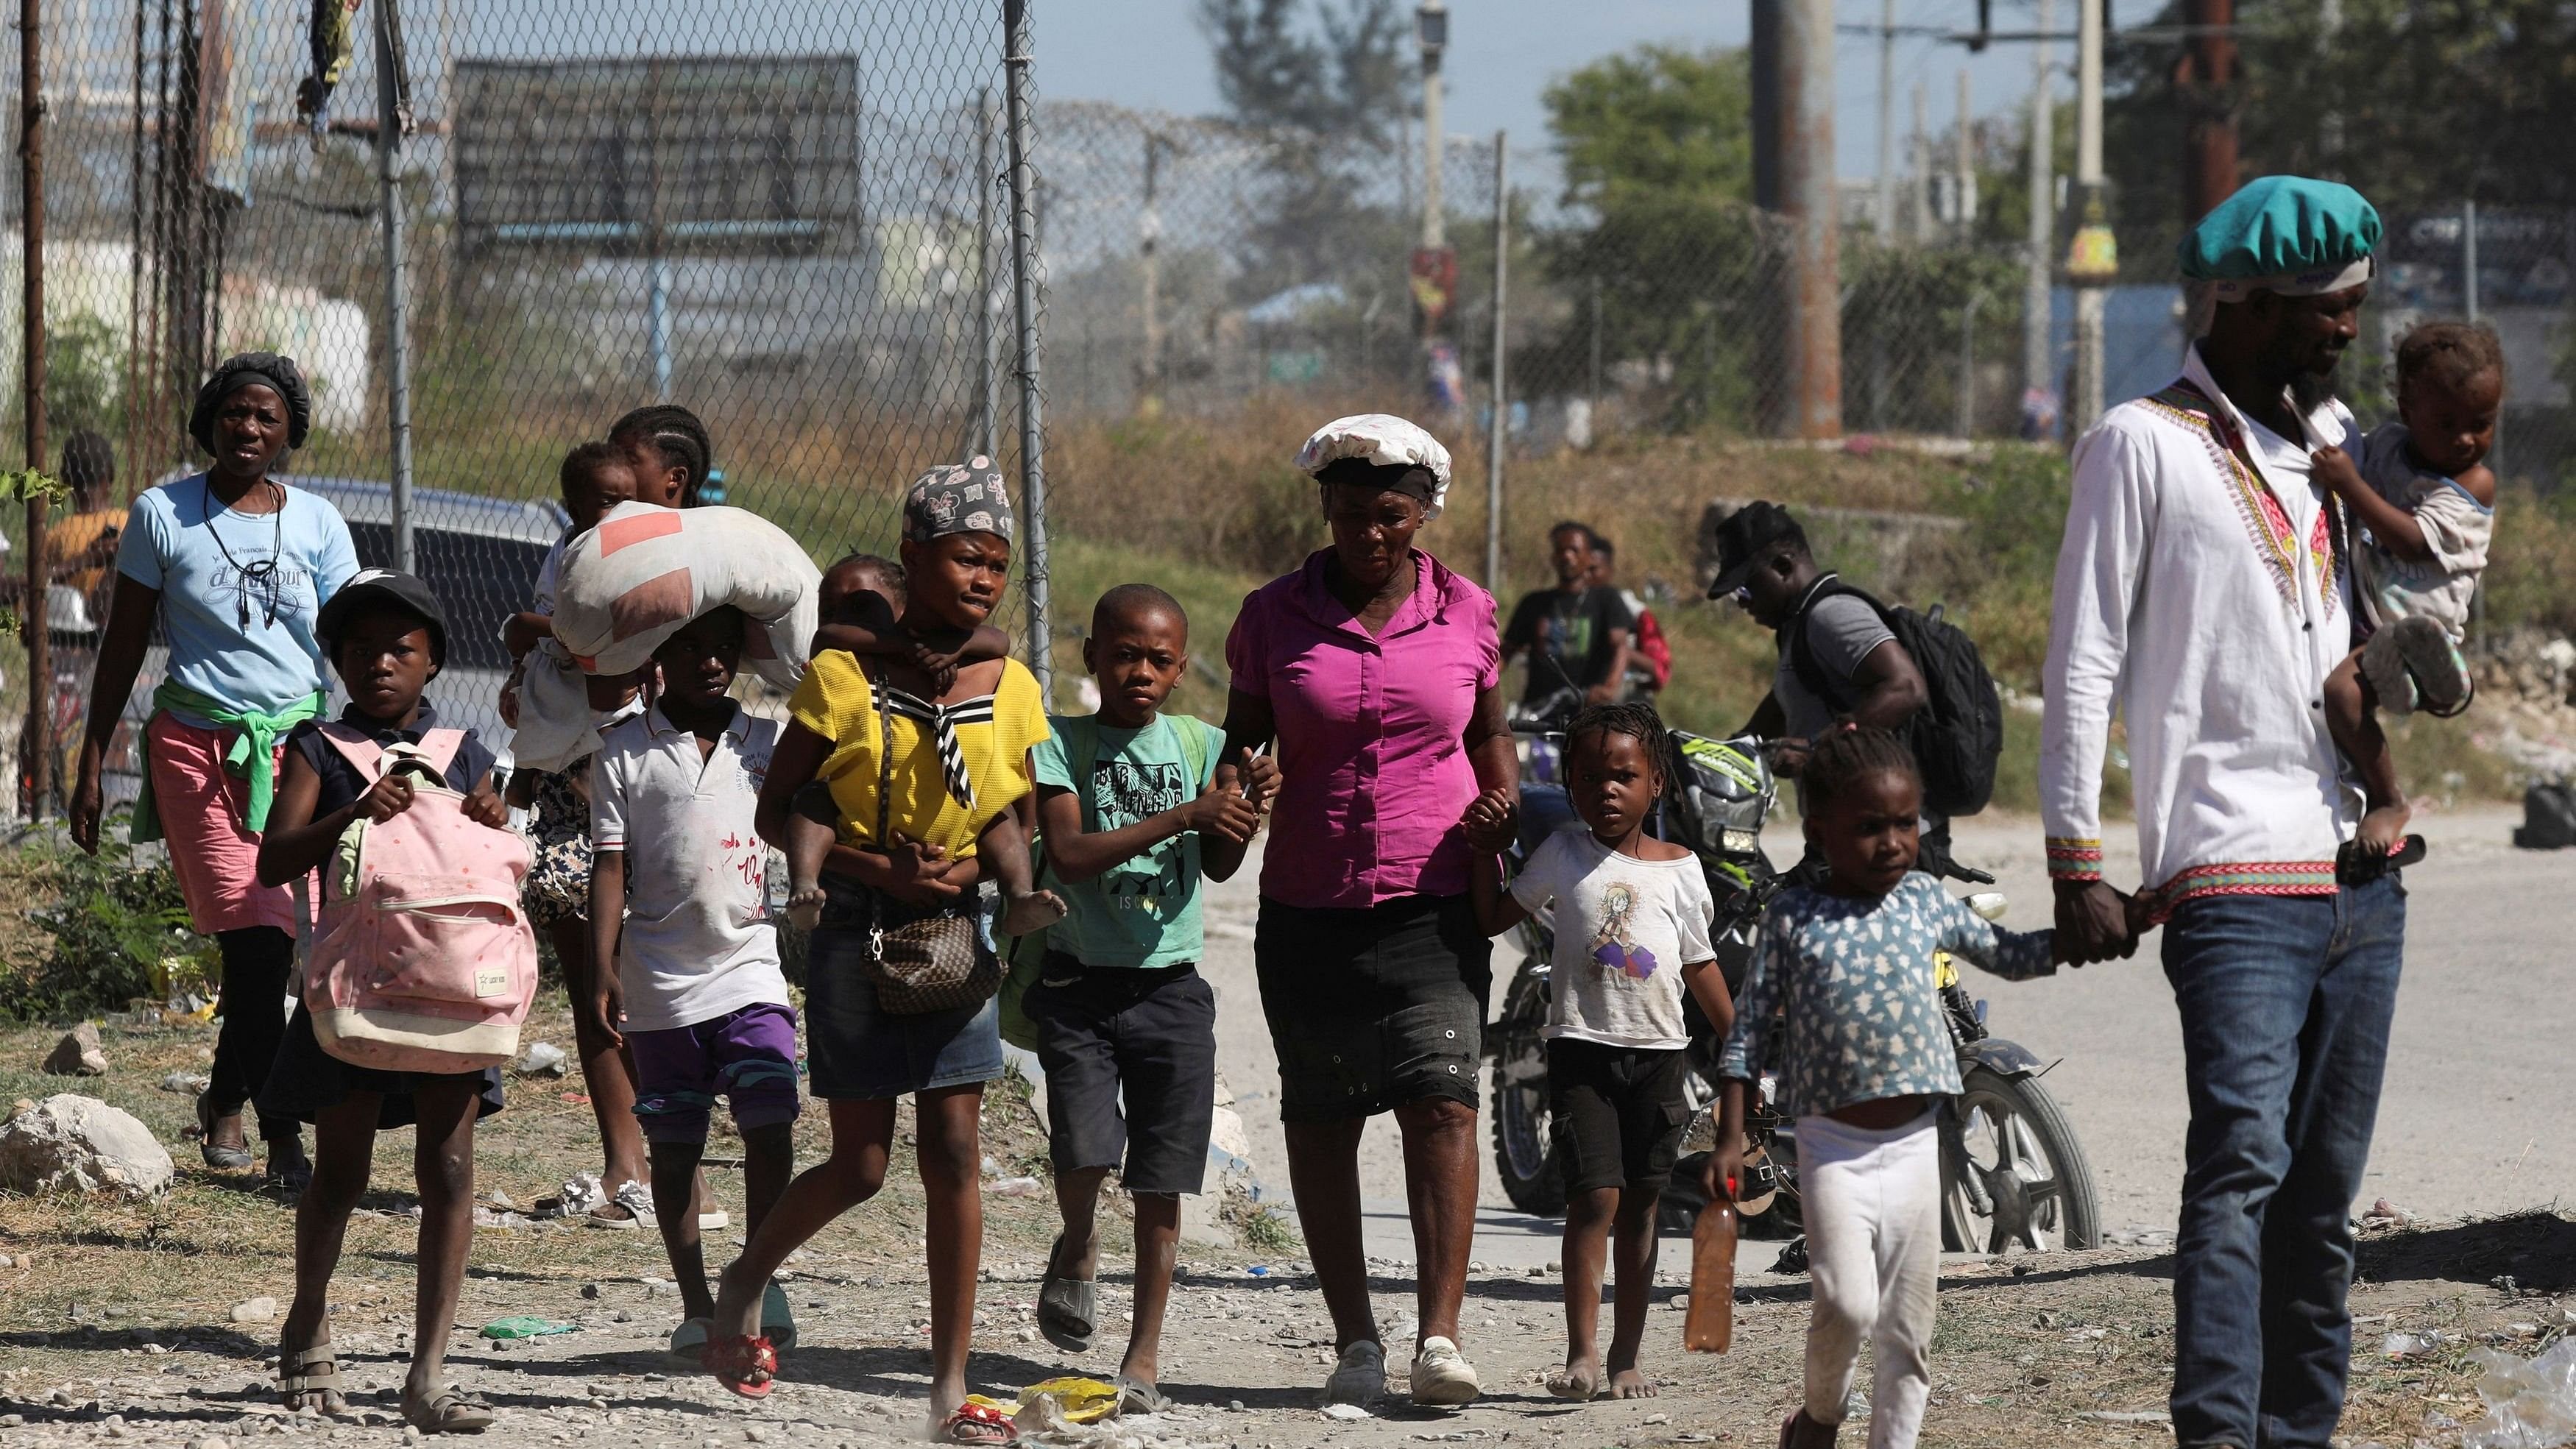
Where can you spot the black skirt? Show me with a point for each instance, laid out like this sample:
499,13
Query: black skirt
305,1080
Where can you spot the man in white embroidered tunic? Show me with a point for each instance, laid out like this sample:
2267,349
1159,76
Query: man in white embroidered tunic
2203,589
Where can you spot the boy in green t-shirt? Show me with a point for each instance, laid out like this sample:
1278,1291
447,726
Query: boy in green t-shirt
1131,817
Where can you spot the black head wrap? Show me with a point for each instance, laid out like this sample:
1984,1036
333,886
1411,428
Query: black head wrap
277,371
1410,479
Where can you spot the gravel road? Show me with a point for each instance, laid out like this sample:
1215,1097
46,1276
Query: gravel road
2468,1123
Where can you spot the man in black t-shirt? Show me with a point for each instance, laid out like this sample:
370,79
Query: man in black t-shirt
1576,634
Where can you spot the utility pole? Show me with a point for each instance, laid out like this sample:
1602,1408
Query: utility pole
1918,160
36,744
1966,200
1496,432
2206,83
1885,220
1021,125
1806,89
1432,21
2093,259
2037,256
1149,261
391,122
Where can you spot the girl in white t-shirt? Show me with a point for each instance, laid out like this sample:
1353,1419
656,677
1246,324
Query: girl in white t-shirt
1632,934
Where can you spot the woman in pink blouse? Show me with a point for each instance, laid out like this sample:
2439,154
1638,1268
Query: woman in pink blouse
1377,674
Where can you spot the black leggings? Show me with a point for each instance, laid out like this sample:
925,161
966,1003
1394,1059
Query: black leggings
257,961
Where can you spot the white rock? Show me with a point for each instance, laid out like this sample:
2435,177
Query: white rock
256,1310
1345,1412
72,1143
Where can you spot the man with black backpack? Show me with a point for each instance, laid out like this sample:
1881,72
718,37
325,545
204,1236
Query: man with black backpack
1846,656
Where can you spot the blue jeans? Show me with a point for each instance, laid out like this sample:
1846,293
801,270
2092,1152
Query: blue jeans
2285,1011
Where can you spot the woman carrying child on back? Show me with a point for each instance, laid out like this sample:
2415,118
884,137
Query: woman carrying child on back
1867,1061
926,780
387,636
1632,918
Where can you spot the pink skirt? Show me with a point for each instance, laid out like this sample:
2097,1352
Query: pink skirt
216,859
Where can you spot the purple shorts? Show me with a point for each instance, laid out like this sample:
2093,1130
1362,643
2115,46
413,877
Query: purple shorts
748,1055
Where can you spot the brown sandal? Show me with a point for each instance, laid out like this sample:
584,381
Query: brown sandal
448,1410
310,1370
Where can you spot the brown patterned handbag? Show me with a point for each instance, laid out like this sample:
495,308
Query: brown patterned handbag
921,959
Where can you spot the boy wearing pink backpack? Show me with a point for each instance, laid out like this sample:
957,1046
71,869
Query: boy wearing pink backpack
387,637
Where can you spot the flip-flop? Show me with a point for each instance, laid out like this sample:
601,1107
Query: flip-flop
976,1424
1135,1396
631,1197
310,1370
222,1159
777,1322
448,1410
689,1341
1068,1308
745,1363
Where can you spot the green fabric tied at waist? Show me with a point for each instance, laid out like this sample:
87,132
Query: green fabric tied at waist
253,755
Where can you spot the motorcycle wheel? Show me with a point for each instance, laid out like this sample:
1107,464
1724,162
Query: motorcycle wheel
1523,1158
2012,1172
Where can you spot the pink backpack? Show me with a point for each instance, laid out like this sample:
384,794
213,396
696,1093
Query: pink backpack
423,960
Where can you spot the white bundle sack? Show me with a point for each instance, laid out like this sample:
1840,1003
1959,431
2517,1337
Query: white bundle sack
556,722
630,583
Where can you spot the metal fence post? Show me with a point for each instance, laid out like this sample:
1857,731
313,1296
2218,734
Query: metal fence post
1016,46
1501,424
988,341
36,744
397,279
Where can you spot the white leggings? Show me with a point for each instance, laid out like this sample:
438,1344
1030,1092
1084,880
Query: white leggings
1872,1203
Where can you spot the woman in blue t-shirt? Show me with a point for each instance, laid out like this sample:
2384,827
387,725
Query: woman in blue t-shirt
235,566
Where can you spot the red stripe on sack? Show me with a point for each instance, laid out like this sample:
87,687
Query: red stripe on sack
651,604
637,528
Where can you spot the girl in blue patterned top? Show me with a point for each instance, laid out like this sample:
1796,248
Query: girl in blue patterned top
1868,1059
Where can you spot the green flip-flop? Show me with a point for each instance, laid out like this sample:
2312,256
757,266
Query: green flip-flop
777,1323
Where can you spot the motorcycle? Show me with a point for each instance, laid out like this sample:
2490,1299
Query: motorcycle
2012,1170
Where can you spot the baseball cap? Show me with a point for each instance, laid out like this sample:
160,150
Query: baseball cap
384,586
1744,540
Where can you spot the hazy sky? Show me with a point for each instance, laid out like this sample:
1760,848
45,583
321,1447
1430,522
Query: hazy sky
1502,54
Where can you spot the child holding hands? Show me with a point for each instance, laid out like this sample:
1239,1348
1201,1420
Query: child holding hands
1632,935
1868,1060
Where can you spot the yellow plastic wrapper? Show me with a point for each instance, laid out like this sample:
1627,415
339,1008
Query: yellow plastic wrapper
1066,1400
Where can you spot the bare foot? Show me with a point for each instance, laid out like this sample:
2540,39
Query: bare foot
2383,828
1578,1381
1630,1383
805,904
1032,912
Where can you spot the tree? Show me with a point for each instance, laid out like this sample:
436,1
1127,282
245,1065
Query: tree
1338,70
1323,86
1657,120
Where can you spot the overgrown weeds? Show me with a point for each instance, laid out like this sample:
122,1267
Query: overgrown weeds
108,930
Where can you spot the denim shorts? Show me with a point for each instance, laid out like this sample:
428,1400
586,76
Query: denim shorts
856,1050
1373,1007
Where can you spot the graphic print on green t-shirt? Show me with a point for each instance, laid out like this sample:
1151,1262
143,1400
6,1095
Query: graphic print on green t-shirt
1143,911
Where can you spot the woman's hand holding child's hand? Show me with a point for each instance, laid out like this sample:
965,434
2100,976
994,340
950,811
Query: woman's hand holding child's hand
1489,822
385,799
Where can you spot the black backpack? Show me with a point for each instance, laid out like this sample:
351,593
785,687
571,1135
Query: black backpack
1959,733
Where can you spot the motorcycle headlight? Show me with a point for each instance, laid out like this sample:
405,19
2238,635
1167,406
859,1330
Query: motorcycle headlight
1739,842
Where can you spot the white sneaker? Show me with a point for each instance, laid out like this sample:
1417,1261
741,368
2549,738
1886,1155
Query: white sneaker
1360,1376
1442,1376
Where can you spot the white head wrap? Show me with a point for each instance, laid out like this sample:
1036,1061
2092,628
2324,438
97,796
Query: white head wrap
1382,439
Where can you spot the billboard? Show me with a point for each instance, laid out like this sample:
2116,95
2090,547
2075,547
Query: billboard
659,156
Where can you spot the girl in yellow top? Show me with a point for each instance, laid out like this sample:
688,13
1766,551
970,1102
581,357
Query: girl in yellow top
920,823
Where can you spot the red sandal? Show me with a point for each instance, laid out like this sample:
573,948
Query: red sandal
972,1423
744,1363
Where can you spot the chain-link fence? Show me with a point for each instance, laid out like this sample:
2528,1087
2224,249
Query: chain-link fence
791,219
